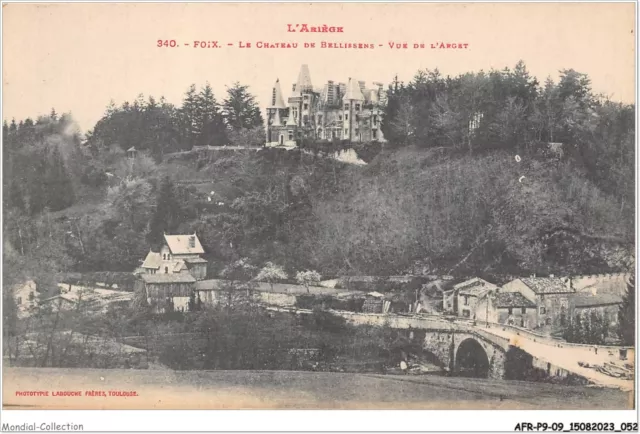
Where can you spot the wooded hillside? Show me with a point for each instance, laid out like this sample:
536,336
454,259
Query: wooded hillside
439,197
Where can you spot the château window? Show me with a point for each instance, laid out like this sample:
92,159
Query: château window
306,106
319,119
339,117
346,106
543,310
346,131
375,120
510,311
374,134
166,270
357,131
524,310
357,107
290,135
346,117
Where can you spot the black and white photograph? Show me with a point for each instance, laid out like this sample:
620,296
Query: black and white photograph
319,206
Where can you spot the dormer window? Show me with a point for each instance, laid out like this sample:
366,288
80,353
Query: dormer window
346,106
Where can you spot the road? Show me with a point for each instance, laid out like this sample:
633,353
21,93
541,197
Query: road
166,389
567,357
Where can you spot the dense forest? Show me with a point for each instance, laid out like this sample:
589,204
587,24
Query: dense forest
445,194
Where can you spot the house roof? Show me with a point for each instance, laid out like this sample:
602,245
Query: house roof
547,285
179,244
596,300
512,299
153,260
168,278
475,286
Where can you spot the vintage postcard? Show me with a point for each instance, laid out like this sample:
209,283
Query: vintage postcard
319,206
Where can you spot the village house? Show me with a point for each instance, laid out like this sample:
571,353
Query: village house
550,296
512,308
468,293
344,111
180,254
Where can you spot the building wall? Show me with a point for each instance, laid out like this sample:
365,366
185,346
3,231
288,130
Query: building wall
516,317
553,310
468,309
486,311
161,291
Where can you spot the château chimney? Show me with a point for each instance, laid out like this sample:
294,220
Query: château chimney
192,241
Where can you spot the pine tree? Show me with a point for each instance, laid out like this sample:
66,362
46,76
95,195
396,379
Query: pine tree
167,212
241,111
188,113
627,314
210,120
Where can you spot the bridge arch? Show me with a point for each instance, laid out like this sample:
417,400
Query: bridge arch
471,359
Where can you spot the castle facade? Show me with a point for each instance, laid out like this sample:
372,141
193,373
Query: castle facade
340,111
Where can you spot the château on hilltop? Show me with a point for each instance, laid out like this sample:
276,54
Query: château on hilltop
340,111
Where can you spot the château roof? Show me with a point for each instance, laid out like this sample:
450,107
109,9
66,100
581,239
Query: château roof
276,99
179,244
353,91
304,80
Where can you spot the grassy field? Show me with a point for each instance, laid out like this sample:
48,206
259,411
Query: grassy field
166,389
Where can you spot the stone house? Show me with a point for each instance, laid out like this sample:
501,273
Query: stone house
179,254
513,308
468,293
550,295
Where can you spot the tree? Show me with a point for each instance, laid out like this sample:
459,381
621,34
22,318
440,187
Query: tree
627,315
306,278
240,108
271,273
166,216
239,274
209,121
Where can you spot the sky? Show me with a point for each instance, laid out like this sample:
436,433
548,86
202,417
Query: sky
79,57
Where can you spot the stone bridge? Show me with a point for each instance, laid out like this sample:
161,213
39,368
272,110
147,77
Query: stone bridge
460,348
468,352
